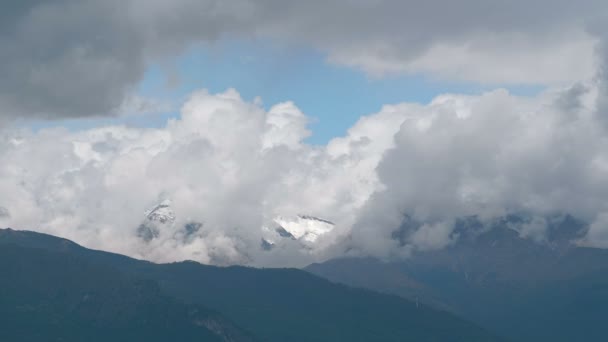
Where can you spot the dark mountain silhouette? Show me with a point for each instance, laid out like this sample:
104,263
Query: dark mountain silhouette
272,304
51,296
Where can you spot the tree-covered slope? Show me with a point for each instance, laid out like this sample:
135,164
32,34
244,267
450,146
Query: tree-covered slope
53,296
275,304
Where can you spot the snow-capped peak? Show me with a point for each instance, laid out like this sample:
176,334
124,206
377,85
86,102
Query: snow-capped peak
157,218
161,213
304,227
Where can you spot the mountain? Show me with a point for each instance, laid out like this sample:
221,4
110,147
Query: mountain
156,219
524,290
51,296
305,229
272,304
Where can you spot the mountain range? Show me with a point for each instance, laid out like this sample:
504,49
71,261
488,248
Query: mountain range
492,280
548,289
55,290
305,229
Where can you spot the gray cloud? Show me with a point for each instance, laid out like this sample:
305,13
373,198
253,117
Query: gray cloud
600,28
487,156
68,58
468,40
77,58
4,213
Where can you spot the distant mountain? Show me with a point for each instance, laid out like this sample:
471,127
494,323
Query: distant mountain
157,218
305,229
272,304
524,290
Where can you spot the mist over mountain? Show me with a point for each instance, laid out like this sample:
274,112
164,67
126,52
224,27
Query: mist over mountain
550,289
235,171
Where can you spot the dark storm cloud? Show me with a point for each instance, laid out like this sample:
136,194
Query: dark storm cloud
79,58
67,58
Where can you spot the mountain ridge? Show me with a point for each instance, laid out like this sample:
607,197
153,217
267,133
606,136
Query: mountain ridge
278,304
523,289
57,296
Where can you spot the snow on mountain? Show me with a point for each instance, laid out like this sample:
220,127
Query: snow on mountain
157,218
161,213
303,228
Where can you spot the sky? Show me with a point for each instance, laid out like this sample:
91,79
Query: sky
356,112
334,96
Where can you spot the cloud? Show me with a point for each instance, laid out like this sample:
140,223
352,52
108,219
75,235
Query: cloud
598,232
488,156
4,213
230,167
504,58
433,236
80,58
67,58
492,42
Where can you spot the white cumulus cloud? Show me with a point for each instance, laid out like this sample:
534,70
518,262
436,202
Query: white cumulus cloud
233,167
